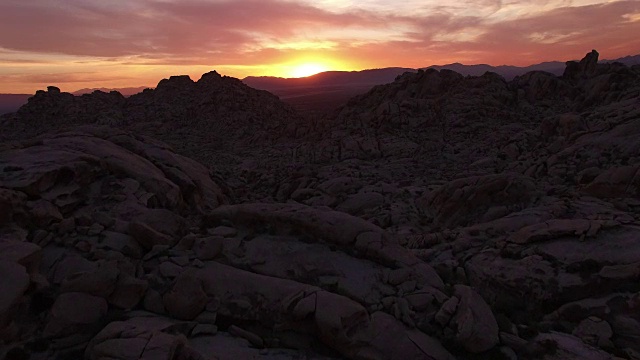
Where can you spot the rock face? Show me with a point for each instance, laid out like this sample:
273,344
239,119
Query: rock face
71,199
105,250
436,217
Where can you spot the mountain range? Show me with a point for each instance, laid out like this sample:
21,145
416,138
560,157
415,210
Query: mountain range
328,90
128,91
509,72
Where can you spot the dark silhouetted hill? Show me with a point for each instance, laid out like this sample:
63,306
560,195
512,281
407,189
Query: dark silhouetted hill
328,78
11,102
506,71
323,92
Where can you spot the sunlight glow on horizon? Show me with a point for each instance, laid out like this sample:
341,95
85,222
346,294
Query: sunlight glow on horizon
311,63
305,70
129,44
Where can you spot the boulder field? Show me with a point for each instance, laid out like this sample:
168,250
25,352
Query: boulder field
435,217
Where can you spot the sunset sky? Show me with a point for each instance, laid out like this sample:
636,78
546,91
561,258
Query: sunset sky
120,43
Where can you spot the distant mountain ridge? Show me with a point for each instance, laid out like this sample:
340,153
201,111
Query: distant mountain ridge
329,78
628,60
327,90
509,72
127,91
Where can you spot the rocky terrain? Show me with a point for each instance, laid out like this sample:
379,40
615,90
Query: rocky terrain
436,217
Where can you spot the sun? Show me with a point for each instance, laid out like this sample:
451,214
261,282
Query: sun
304,70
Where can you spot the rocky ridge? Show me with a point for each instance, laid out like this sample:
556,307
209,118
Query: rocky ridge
179,110
437,217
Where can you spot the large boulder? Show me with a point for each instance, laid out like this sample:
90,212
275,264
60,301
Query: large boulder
85,156
469,320
466,200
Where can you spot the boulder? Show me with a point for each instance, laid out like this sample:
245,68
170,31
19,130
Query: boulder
146,338
12,288
187,299
463,201
75,312
470,318
148,237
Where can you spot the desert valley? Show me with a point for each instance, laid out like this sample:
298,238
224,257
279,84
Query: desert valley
436,216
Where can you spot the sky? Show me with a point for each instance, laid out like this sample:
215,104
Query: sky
76,44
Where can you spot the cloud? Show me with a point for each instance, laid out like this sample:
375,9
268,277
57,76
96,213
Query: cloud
565,31
245,31
147,38
559,33
197,29
61,78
